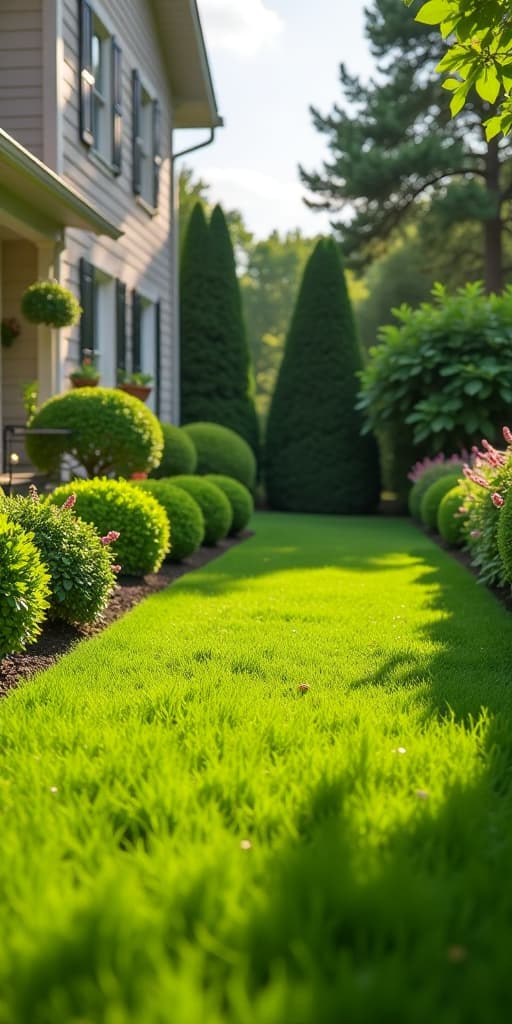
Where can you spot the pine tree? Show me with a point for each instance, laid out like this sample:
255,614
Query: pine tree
394,146
316,458
216,366
197,363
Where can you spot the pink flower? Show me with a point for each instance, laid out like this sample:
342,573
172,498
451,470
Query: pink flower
69,502
476,478
497,500
507,434
110,537
475,534
116,568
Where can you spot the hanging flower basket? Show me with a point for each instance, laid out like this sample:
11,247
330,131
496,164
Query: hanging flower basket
47,302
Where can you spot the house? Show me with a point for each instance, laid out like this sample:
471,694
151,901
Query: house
91,92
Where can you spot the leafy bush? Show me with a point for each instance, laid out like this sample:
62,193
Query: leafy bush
110,432
47,302
213,504
139,519
240,499
432,499
220,450
445,370
504,536
24,588
420,467
186,520
486,486
179,454
425,481
80,566
450,521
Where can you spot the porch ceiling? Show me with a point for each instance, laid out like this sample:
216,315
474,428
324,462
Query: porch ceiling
33,195
186,59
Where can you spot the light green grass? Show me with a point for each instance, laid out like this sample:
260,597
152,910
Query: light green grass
377,884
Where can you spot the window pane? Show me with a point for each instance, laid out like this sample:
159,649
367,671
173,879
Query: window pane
97,63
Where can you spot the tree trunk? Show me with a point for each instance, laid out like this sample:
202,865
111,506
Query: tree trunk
493,227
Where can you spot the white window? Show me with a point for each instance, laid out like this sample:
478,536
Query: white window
146,148
148,346
101,46
105,327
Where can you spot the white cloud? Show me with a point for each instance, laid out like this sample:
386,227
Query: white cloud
267,202
241,26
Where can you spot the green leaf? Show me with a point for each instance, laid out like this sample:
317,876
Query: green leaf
433,12
472,387
488,85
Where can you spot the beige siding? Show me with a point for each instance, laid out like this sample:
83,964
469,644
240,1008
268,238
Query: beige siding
21,72
19,362
142,258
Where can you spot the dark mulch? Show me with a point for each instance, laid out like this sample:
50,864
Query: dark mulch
57,637
502,594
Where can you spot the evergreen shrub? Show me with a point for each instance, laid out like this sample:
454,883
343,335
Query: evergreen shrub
432,499
179,454
240,499
220,450
213,503
450,521
504,536
429,477
47,302
80,566
110,432
186,520
139,519
24,588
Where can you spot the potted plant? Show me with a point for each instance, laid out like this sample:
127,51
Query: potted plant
137,384
11,329
47,302
86,375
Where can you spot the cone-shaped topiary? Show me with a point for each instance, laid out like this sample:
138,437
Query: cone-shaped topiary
239,498
215,364
179,455
213,503
316,459
186,520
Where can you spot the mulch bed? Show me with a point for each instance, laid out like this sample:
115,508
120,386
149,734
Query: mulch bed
57,637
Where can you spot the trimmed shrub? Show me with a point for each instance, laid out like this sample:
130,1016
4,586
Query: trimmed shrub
116,505
110,432
186,520
450,521
489,478
47,302
213,503
24,588
422,485
432,498
240,499
504,536
179,454
316,457
80,566
220,450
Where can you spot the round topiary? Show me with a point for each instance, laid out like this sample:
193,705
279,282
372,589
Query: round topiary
109,432
426,479
179,454
450,522
505,536
47,302
240,499
139,519
213,504
432,498
220,450
24,588
186,520
80,566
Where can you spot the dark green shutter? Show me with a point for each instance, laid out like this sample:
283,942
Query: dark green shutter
117,109
86,75
157,149
158,349
136,127
136,333
120,325
88,304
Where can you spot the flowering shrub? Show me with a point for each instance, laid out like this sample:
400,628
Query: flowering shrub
184,514
138,518
179,455
213,504
24,588
432,499
239,498
486,485
82,576
450,519
416,472
427,478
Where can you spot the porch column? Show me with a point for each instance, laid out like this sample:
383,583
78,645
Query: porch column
48,354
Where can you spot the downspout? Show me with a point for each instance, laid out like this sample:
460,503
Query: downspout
176,260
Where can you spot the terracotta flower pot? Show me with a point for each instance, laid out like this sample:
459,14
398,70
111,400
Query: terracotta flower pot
84,382
137,390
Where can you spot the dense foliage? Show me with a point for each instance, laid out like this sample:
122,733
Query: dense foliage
24,588
186,520
316,459
215,372
109,432
221,450
213,503
47,302
486,487
80,566
443,377
420,487
240,499
179,454
450,520
433,497
139,519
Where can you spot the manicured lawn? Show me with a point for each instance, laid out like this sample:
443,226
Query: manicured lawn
187,838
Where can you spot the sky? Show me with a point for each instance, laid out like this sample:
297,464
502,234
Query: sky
270,60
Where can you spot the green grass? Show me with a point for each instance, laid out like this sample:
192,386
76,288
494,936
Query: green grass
377,805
